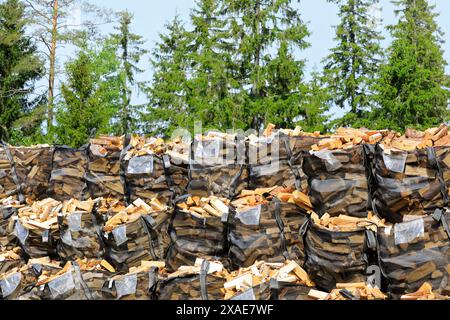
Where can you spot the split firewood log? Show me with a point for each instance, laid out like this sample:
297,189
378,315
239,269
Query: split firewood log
414,252
81,235
350,291
197,230
67,178
33,166
414,139
37,227
425,292
203,281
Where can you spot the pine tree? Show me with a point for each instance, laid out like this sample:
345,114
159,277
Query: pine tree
90,95
20,68
413,85
266,34
131,53
352,65
169,92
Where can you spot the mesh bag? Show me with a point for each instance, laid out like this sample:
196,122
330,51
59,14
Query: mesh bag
67,179
80,236
132,286
337,181
217,166
37,242
8,179
7,214
33,166
335,256
415,252
289,291
268,232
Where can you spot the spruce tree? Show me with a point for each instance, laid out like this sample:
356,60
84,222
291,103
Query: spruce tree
20,68
353,65
266,34
169,91
413,87
90,95
131,52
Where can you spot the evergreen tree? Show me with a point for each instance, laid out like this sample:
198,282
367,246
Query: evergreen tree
352,65
131,53
90,94
169,91
266,34
20,68
413,86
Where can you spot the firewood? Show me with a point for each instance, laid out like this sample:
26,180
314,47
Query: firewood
425,292
8,186
415,252
67,178
10,259
355,291
8,212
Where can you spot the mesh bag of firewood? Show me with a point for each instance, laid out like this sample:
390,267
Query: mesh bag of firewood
338,250
337,181
96,275
217,165
443,156
406,183
269,159
65,284
198,230
103,175
33,166
289,291
36,227
8,210
8,179
265,225
81,235
204,281
414,252
20,280
67,179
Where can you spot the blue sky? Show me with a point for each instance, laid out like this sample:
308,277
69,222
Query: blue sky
151,16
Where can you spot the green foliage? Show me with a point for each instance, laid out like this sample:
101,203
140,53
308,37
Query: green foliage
352,66
413,87
130,52
20,68
91,94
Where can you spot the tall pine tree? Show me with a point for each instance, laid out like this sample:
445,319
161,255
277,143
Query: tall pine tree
352,66
414,89
266,34
20,68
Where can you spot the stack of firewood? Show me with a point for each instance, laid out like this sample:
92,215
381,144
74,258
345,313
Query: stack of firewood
218,165
33,166
37,227
104,175
198,230
8,210
8,186
67,179
10,258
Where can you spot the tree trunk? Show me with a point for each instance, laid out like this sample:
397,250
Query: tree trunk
51,78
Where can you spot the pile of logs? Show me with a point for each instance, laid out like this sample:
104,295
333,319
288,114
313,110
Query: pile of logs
33,166
128,234
8,209
104,175
203,281
80,233
265,225
415,252
37,227
8,186
67,178
350,291
336,250
198,229
10,259
415,139
254,282
218,165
